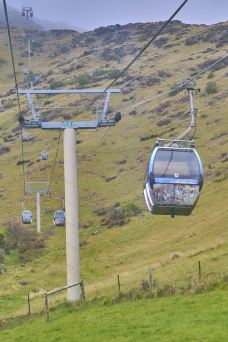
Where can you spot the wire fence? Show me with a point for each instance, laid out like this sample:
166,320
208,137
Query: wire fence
40,301
123,287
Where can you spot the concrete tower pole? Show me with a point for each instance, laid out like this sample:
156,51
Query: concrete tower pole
38,212
71,209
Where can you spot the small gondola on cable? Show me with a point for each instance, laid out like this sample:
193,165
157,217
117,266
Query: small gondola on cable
59,218
174,175
26,217
44,155
174,179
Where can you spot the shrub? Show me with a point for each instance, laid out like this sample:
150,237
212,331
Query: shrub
2,240
22,239
4,149
37,44
56,84
210,75
191,40
211,88
99,72
131,209
163,122
118,215
112,74
115,217
2,61
163,73
160,42
2,259
84,79
64,49
11,235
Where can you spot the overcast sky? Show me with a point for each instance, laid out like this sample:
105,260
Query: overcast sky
89,14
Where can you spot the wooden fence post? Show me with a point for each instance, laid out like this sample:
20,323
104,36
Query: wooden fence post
82,290
46,305
199,270
118,281
150,278
29,306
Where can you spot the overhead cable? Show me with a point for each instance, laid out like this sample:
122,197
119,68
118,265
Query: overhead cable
172,90
55,161
136,57
16,85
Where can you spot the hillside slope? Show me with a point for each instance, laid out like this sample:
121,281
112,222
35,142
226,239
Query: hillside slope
197,318
67,59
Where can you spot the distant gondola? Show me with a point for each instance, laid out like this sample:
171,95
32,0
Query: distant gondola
25,137
26,216
44,155
174,180
59,218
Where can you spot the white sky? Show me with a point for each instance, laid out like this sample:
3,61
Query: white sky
90,14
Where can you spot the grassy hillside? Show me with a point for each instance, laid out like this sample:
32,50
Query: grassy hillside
67,59
197,318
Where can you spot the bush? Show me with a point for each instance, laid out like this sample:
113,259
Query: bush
210,75
191,40
131,209
56,84
99,73
37,44
84,79
112,74
2,240
115,217
163,73
2,61
4,149
22,239
211,88
118,215
2,259
160,42
11,235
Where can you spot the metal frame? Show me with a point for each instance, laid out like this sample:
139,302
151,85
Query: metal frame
28,11
179,142
35,122
70,172
37,192
41,191
190,87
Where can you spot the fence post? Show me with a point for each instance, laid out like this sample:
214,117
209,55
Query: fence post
46,305
118,281
150,278
199,269
82,290
29,307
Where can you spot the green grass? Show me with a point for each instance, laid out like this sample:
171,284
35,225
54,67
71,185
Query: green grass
200,318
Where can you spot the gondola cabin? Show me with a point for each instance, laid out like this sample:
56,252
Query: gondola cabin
25,137
26,217
59,218
44,155
174,180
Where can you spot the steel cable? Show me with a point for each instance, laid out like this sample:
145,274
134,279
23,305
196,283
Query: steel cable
21,117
